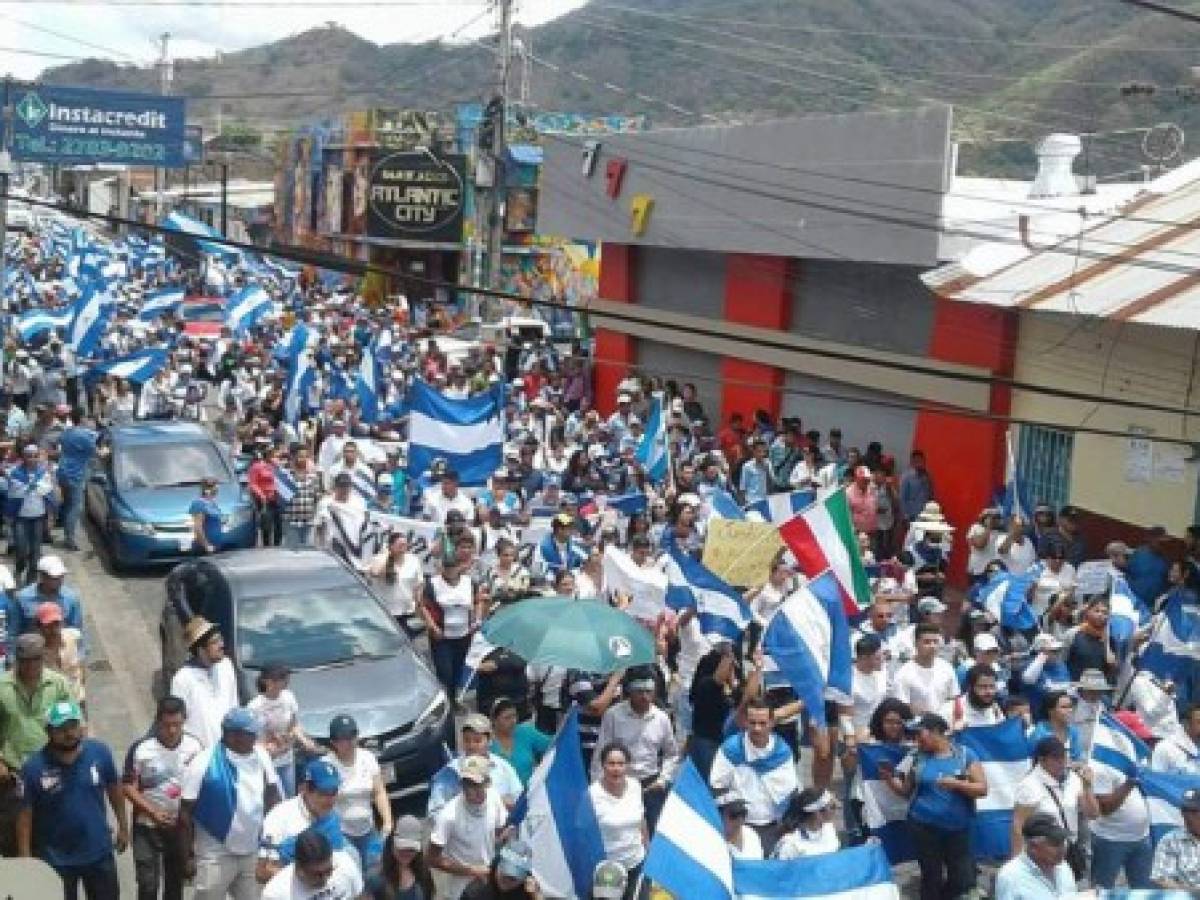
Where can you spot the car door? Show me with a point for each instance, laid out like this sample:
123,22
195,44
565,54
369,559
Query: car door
99,486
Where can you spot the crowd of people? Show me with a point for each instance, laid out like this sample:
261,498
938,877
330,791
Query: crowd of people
309,814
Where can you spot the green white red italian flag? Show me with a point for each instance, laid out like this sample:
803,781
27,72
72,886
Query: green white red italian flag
822,537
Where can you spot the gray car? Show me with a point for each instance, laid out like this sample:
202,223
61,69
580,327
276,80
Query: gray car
310,611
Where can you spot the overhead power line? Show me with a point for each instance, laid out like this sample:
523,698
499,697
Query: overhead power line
339,263
1165,9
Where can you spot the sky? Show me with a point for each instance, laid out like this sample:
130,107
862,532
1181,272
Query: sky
129,30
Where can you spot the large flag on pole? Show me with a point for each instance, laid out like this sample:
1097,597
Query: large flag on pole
1015,502
688,855
468,434
651,453
719,607
822,538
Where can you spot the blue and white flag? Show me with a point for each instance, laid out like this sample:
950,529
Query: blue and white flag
1006,598
1126,611
720,608
859,873
89,318
1003,753
476,654
781,507
1164,794
185,224
1016,499
652,453
688,855
216,807
33,322
366,387
159,302
809,640
137,368
721,505
884,811
1173,650
246,307
556,818
628,504
468,434
285,484
302,374
1118,748
383,347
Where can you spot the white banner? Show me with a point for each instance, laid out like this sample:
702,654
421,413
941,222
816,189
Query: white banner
646,587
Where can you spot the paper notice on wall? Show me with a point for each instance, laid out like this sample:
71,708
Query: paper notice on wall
1169,463
1139,460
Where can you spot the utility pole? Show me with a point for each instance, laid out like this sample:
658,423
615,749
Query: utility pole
499,106
6,118
166,74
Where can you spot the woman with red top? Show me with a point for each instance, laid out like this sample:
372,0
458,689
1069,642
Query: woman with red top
261,481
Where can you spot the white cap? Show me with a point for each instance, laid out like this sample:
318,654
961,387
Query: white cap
624,398
677,403
985,642
689,500
52,567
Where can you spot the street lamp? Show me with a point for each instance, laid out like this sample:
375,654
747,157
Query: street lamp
6,170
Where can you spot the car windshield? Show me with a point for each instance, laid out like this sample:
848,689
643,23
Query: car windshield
314,628
170,464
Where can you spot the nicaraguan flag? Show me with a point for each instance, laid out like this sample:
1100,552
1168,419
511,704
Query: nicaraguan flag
383,347
366,387
628,504
1006,598
721,505
884,811
246,307
1117,747
1126,611
285,484
89,319
688,855
177,221
859,873
468,434
809,641
1173,651
215,809
1003,752
779,508
33,322
651,453
720,608
1164,794
159,302
302,374
556,819
1016,499
137,368
476,653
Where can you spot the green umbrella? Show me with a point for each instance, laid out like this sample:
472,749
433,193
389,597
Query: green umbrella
578,634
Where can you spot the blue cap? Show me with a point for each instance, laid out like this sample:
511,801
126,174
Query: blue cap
241,719
322,776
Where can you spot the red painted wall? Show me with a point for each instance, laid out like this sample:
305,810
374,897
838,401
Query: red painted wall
966,456
757,292
615,352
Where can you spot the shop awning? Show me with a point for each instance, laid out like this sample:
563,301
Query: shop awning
1140,264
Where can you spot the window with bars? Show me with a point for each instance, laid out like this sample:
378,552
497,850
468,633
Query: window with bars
1044,464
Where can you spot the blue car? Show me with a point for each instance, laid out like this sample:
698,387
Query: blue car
139,494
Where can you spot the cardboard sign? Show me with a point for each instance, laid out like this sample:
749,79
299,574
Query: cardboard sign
741,552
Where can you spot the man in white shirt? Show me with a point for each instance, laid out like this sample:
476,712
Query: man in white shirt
207,682
868,686
474,739
331,447
1177,752
926,682
221,838
439,501
1016,548
318,873
464,835
1154,701
1040,871
286,822
362,476
1121,834
340,511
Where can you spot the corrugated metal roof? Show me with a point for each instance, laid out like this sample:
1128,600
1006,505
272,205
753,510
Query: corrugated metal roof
1139,265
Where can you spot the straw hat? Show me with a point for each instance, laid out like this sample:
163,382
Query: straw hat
931,519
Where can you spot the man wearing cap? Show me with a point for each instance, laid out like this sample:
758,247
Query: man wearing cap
440,500
558,550
475,737
31,493
62,819
318,871
1177,856
207,682
312,807
27,692
743,842
609,880
50,587
152,776
466,829
1040,871
63,651
618,422
1046,671
511,876
226,792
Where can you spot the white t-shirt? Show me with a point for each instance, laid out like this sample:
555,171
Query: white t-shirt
209,694
345,883
1131,820
1155,706
408,577
456,602
925,689
797,843
960,713
157,771
978,559
766,603
1051,583
437,504
620,821
1020,557
867,692
286,820
358,788
468,836
254,774
1176,753
277,718
1033,791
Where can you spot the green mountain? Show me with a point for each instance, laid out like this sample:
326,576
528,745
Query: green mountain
1014,69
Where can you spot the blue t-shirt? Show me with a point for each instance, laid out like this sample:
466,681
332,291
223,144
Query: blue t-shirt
70,823
529,746
76,447
938,806
212,518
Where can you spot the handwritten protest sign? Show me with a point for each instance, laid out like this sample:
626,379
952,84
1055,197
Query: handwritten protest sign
741,552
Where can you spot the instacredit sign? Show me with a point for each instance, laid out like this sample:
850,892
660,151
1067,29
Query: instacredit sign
417,196
54,124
